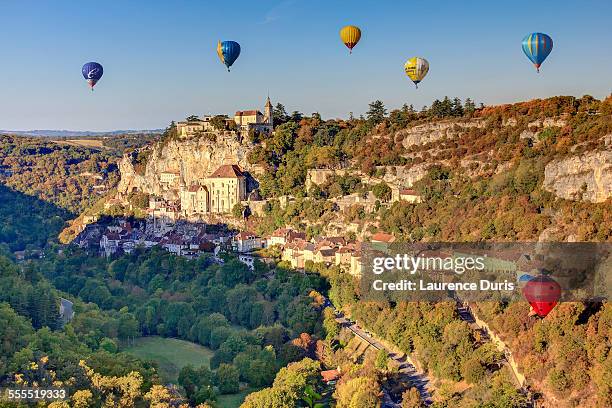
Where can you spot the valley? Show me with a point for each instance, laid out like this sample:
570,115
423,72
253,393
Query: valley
219,264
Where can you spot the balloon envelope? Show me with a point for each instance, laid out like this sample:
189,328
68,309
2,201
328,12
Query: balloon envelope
542,292
416,68
92,72
536,47
228,52
350,36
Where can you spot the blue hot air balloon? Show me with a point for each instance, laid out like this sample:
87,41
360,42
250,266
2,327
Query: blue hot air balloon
537,46
92,72
228,52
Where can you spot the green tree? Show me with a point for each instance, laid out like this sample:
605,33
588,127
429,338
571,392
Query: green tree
359,392
228,378
279,114
382,191
469,107
382,359
237,210
219,122
376,112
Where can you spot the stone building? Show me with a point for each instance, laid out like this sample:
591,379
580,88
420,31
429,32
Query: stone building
217,193
255,120
193,127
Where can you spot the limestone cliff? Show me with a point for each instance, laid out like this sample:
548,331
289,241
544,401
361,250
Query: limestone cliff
587,177
193,158
431,132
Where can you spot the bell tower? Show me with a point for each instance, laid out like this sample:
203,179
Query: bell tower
268,112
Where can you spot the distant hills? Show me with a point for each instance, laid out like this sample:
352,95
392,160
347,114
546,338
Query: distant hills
78,133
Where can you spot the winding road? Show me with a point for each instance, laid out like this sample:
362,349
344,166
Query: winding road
406,370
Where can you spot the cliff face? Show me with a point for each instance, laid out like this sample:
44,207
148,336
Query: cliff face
193,158
587,177
431,132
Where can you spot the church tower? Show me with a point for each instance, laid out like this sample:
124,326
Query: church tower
268,112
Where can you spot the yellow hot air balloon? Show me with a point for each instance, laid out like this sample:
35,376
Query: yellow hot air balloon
350,36
416,68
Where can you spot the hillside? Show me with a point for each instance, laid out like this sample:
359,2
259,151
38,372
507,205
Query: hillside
537,170
532,171
71,174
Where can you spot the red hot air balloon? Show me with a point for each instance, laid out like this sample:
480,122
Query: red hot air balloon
542,292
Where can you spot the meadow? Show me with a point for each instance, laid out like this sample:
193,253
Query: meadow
170,354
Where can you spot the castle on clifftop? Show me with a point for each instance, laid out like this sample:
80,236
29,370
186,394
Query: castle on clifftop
244,121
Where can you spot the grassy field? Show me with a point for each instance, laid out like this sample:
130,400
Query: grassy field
90,143
233,400
170,354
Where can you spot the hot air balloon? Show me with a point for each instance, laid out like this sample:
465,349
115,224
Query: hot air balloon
542,292
350,36
92,72
536,47
416,68
228,52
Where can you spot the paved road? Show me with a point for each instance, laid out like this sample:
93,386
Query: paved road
406,370
465,313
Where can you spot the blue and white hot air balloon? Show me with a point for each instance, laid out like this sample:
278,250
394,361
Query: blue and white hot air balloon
92,72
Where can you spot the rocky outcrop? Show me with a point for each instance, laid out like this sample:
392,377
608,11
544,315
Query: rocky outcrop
401,176
192,159
431,132
586,177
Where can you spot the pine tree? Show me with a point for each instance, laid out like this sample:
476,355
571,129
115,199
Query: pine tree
457,107
469,106
446,107
279,114
377,112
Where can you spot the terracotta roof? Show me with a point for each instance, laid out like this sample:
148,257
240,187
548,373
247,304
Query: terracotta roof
294,235
383,237
248,113
301,244
242,235
337,240
327,252
280,232
228,171
195,188
330,375
408,191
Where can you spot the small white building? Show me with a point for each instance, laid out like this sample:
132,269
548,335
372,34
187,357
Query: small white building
409,195
246,242
169,177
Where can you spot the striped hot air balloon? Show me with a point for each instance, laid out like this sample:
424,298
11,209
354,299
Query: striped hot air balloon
536,47
416,68
350,36
228,52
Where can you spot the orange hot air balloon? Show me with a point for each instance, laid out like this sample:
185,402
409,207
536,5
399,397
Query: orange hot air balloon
350,36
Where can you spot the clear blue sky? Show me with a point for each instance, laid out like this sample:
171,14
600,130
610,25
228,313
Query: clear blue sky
160,62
